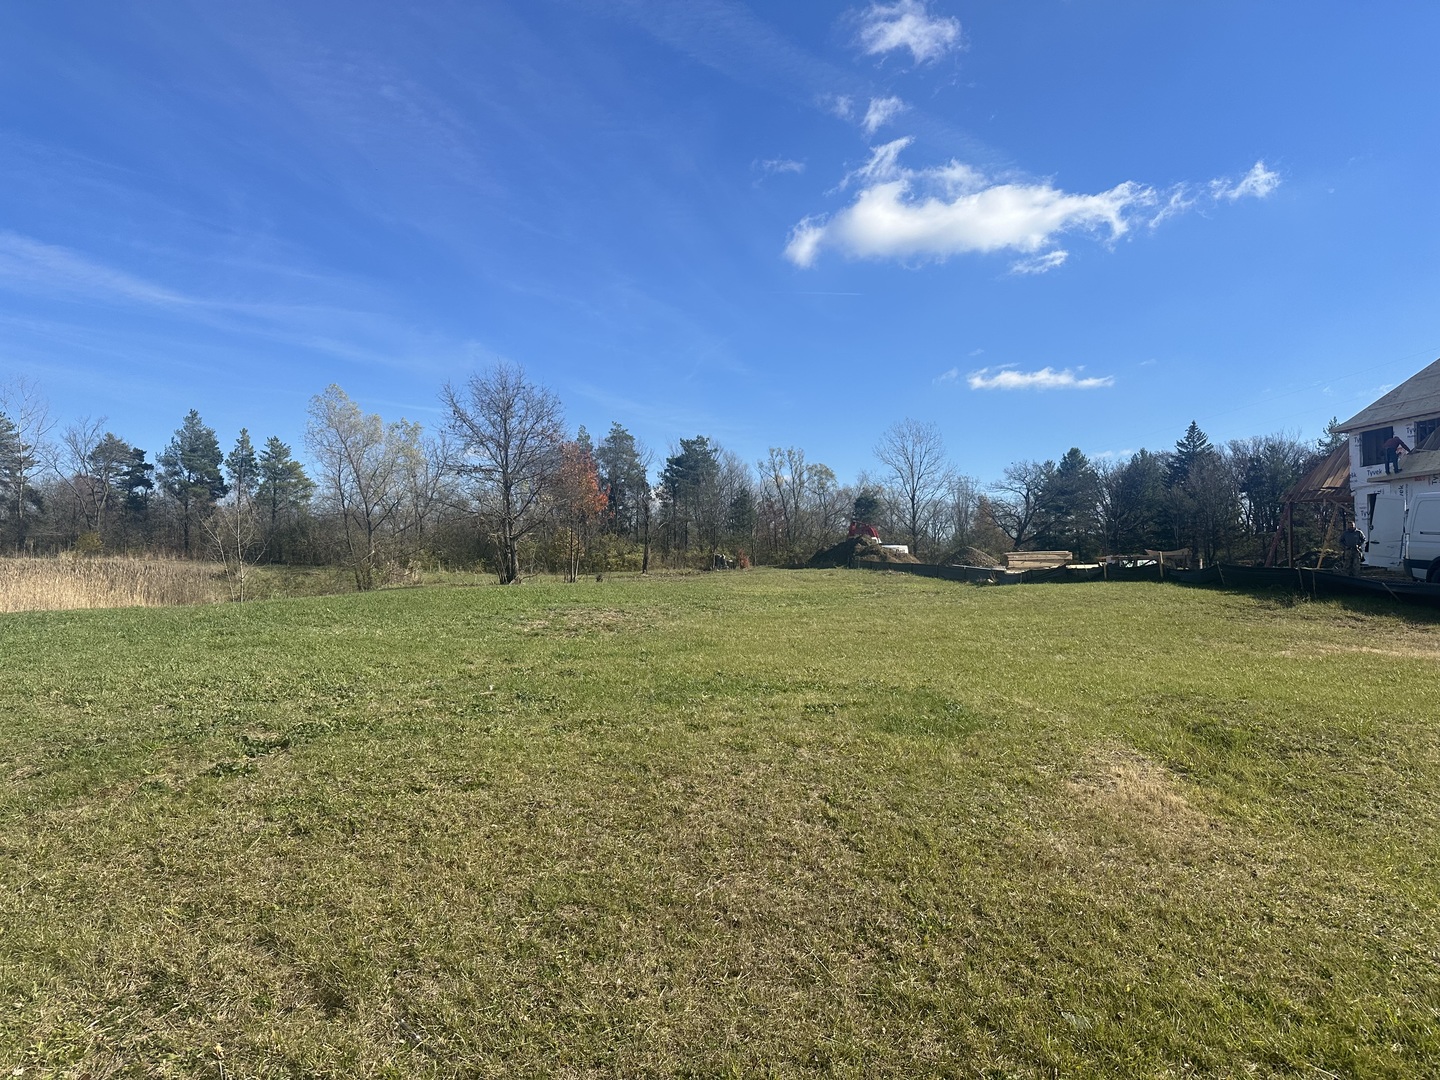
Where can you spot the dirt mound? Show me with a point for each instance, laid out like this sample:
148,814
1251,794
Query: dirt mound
973,556
863,548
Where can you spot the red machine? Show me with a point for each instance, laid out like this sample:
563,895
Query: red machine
861,528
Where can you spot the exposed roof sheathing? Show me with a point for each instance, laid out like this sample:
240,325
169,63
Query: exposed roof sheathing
1329,481
1417,396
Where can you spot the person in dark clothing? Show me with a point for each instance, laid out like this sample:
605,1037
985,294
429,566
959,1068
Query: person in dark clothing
1352,541
1392,448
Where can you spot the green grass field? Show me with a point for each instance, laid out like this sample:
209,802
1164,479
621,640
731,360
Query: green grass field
764,823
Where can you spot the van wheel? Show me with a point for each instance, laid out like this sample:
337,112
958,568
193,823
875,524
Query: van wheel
1432,575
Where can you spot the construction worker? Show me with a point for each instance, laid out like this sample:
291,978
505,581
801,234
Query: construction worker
1392,448
1352,542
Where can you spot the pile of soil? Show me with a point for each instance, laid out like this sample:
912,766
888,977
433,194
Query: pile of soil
865,548
973,556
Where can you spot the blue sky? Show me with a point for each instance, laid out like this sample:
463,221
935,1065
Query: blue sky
1038,225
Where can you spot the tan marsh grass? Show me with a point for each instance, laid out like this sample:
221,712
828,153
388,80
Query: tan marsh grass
66,582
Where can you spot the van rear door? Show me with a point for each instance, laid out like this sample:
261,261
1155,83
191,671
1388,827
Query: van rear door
1387,523
1422,546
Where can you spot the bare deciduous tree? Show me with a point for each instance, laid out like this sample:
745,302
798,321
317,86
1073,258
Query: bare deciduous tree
71,462
428,473
29,415
962,510
236,531
914,455
1019,504
362,463
783,478
646,457
508,430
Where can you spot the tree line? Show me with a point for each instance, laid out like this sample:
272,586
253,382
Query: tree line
502,482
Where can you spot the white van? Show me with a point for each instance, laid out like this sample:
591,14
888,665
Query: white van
1406,534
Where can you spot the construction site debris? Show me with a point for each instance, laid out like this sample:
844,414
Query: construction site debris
858,549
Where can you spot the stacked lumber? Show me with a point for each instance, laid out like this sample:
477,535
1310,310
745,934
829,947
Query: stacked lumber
1037,560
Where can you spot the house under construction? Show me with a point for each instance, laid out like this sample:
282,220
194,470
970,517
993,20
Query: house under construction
1380,497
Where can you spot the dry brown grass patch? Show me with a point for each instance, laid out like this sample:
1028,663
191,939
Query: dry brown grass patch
1123,784
573,622
64,583
1424,649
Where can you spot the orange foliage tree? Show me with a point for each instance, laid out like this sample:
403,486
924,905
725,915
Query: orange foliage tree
579,502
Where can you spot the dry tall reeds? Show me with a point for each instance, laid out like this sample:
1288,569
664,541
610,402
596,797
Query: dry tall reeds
64,582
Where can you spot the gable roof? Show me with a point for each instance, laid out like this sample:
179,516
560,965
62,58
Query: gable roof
1418,395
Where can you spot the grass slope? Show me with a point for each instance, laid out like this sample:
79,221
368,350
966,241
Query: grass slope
762,823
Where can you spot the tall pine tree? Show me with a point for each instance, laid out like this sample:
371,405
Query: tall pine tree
689,488
242,470
190,473
1193,447
622,475
282,494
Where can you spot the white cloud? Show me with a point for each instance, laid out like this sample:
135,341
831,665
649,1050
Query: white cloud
1047,378
804,243
955,209
1040,264
841,105
881,112
1257,183
1176,201
778,165
906,24
953,375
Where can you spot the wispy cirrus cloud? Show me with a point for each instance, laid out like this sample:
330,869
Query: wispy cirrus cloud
777,166
1047,378
884,164
32,266
907,24
880,112
1257,183
348,324
1040,264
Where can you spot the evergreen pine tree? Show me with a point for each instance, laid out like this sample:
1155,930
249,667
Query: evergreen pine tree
1193,446
282,492
10,452
622,474
241,468
1332,438
190,473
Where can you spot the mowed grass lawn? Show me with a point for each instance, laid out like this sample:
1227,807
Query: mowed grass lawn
759,823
